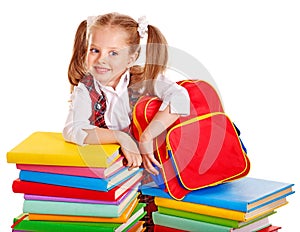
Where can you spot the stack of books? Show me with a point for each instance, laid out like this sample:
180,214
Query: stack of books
240,206
75,188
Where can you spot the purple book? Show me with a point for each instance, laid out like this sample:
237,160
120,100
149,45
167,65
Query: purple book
65,199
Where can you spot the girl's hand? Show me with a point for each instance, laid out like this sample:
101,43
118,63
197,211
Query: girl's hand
146,149
130,150
148,161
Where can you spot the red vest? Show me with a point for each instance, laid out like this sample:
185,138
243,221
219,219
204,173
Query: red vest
98,102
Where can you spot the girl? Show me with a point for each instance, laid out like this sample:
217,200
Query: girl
105,81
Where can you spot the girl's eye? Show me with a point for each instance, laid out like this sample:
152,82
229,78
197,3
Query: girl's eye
113,53
94,50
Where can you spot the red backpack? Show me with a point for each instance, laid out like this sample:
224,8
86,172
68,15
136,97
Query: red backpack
199,150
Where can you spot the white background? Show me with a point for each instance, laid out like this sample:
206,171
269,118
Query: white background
251,49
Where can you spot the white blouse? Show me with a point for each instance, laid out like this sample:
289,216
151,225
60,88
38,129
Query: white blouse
118,112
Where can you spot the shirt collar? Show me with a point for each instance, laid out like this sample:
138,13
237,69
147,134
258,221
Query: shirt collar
120,88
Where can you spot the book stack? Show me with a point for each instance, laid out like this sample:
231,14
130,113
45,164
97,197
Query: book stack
240,206
74,188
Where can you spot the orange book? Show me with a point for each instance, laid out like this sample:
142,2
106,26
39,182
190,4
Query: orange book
138,227
219,212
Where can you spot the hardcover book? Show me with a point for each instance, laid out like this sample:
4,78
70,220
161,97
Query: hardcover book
76,171
209,219
66,199
23,223
80,181
220,212
159,228
270,228
114,194
192,225
50,148
54,217
78,209
246,194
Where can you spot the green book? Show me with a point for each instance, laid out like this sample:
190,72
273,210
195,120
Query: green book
209,219
78,208
200,226
186,224
50,226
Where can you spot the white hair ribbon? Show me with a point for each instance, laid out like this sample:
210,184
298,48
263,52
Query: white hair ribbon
143,26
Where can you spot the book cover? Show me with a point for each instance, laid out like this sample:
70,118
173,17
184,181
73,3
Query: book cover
50,226
192,225
137,227
80,181
209,219
255,226
186,224
53,217
50,148
159,228
246,194
76,171
66,199
220,212
270,228
78,209
114,194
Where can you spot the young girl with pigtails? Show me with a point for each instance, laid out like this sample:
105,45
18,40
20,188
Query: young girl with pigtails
106,83
103,68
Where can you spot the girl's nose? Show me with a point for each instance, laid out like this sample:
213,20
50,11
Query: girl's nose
102,58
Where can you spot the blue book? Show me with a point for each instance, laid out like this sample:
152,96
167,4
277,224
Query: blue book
79,181
246,194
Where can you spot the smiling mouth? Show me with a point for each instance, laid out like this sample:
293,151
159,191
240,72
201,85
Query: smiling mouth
101,70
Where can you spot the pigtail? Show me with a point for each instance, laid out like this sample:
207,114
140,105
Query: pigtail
156,56
77,66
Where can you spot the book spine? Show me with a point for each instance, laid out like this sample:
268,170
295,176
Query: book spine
50,226
186,224
198,217
65,180
193,197
201,209
61,191
65,199
59,160
65,170
220,203
68,208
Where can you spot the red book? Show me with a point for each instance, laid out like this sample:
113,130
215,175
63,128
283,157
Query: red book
270,229
35,188
159,228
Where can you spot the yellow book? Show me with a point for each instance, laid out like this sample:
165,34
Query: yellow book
50,148
53,217
219,212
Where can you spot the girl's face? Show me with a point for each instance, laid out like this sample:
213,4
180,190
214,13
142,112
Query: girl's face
108,55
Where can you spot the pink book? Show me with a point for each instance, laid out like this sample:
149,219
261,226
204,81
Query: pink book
76,171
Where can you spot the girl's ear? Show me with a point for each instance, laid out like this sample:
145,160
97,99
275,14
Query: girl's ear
132,59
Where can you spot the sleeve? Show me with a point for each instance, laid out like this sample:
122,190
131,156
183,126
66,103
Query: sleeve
78,116
173,95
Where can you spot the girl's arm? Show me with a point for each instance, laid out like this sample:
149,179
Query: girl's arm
161,121
175,103
78,129
128,145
